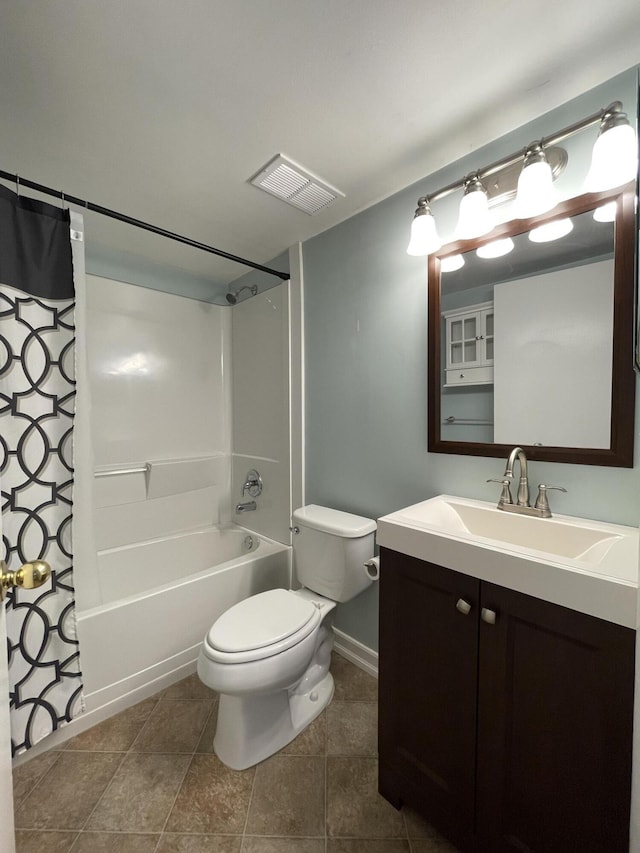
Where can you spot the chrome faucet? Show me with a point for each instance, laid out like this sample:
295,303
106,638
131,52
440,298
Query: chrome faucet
522,505
246,506
523,483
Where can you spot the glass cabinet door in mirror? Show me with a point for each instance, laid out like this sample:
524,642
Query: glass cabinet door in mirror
532,345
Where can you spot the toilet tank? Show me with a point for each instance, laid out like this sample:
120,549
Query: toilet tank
330,550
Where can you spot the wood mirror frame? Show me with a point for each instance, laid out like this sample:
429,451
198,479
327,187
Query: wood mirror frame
620,451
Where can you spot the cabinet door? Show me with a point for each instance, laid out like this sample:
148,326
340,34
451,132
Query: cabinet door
554,728
470,339
464,337
486,332
427,689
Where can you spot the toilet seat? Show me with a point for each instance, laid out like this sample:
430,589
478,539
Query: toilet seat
263,625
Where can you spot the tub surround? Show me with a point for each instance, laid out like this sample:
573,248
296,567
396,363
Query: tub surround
261,423
164,555
153,359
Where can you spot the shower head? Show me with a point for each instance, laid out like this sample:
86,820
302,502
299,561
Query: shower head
232,298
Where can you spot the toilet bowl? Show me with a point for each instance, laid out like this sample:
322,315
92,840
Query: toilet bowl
271,692
269,655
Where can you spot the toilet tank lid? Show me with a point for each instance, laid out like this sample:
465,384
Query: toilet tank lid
333,521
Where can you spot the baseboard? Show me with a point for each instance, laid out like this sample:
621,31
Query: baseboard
356,652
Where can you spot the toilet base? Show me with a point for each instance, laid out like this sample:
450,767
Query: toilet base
251,728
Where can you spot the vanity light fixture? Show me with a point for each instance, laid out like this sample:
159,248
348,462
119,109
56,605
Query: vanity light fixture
536,193
474,218
606,212
495,249
614,163
424,235
551,231
451,263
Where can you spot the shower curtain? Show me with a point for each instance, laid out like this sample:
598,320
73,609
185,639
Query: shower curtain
37,404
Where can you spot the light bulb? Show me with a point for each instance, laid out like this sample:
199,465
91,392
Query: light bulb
606,212
495,249
474,218
536,193
424,235
614,161
452,263
551,231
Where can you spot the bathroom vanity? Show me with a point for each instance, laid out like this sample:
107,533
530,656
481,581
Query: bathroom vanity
505,717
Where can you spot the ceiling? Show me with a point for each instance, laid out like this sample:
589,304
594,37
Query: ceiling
164,110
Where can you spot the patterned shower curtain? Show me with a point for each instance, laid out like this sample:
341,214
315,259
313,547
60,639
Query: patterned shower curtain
37,404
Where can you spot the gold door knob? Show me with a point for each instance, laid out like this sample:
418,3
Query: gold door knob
28,576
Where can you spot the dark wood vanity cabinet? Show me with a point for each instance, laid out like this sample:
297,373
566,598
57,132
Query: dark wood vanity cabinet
508,735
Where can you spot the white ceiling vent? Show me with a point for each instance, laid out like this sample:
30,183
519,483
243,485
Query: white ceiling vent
286,180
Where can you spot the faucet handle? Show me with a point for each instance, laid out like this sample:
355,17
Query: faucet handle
505,494
542,502
252,484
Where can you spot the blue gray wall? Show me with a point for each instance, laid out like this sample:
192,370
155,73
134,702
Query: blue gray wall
366,369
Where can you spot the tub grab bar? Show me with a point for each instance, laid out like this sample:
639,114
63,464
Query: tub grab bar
116,472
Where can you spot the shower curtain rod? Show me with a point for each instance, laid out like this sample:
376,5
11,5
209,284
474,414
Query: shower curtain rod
137,223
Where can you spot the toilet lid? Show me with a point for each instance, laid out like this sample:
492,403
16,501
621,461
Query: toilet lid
262,620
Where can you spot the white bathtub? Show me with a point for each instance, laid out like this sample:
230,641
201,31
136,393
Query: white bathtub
160,598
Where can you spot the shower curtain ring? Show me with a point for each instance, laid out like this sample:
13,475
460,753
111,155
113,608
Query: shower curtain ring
17,184
62,197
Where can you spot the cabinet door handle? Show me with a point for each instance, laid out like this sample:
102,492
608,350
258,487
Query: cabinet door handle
488,616
463,607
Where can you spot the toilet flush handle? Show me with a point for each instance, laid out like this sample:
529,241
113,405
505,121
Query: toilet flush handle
295,530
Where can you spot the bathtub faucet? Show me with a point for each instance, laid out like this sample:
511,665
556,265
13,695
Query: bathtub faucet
246,506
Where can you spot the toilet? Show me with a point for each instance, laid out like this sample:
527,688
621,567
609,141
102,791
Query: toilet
268,656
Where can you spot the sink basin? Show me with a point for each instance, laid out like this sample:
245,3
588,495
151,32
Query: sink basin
586,565
576,540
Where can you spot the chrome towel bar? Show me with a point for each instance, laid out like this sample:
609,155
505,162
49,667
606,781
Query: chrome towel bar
477,421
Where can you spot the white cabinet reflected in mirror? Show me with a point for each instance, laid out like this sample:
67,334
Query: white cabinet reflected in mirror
535,347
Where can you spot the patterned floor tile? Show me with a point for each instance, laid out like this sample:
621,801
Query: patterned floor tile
213,799
141,794
288,797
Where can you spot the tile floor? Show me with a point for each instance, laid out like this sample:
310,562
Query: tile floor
147,781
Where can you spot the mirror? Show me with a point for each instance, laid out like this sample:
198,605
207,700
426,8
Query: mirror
535,347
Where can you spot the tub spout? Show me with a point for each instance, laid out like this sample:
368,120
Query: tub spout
246,506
